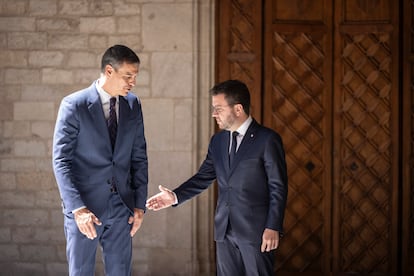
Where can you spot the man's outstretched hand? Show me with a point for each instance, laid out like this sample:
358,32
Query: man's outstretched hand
165,198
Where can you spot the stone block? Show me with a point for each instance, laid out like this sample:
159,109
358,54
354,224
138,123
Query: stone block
183,130
98,41
7,181
5,234
132,41
173,21
158,120
38,253
56,76
76,7
7,111
9,252
42,129
24,217
34,111
17,199
28,269
45,92
29,235
43,164
16,7
141,91
20,24
122,8
3,40
174,77
176,169
97,25
81,59
58,24
101,8
68,41
27,40
144,59
176,259
44,181
56,216
13,58
55,268
17,165
143,77
46,58
31,148
6,147
86,76
48,199
129,24
152,232
19,76
43,7
10,92
16,129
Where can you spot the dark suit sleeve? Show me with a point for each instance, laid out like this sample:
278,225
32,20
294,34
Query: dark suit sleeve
275,166
139,163
64,142
199,182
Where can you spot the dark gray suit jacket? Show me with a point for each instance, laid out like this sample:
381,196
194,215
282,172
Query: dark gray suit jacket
83,161
252,193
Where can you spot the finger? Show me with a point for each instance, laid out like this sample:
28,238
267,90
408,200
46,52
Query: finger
135,226
276,244
91,232
96,220
134,229
263,247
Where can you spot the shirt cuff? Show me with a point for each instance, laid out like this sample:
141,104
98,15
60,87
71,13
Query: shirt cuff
175,199
77,209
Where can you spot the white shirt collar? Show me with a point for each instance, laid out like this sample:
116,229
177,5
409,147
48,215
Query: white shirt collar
243,128
105,96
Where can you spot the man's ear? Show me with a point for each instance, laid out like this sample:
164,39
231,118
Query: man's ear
239,109
108,70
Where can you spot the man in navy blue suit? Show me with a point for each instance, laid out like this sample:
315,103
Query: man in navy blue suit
248,162
101,168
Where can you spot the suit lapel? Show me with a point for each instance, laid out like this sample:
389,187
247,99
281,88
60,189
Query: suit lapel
97,114
123,120
225,150
245,145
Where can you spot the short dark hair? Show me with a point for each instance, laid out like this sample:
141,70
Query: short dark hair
235,92
117,55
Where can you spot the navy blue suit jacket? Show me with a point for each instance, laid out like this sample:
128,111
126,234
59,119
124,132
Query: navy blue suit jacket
252,193
83,161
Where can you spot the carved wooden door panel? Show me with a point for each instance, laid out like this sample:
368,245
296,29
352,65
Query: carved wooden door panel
366,138
298,104
324,74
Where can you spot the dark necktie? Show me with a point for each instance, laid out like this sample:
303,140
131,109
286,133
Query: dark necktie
112,123
233,147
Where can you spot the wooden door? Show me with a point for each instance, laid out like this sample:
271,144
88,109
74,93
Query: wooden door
324,74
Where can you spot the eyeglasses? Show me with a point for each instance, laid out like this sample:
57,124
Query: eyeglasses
218,109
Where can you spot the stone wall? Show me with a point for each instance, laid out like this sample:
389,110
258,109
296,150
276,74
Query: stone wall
49,48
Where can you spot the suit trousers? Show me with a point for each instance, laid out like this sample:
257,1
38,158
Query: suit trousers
113,236
237,257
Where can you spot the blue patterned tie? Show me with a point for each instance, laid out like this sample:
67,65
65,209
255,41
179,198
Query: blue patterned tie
233,147
112,123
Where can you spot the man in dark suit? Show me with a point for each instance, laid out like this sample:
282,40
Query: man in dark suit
101,168
248,162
